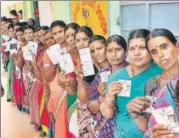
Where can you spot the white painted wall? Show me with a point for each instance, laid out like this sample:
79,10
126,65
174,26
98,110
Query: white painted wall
45,13
114,13
4,6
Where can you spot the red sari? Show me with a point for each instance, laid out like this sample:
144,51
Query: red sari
17,84
42,96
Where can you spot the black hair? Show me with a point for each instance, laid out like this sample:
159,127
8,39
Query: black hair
23,24
28,27
139,33
11,26
31,20
13,12
18,24
169,35
19,30
163,32
9,20
118,39
20,11
74,26
177,93
45,28
59,23
85,29
97,38
4,19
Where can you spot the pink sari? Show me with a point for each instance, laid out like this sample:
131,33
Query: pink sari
17,91
61,123
61,118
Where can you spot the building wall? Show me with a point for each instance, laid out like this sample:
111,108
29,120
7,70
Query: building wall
113,15
45,14
6,6
28,9
61,10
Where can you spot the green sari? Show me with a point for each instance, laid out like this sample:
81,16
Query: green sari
124,125
10,79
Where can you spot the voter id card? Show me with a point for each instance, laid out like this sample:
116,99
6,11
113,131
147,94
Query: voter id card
126,91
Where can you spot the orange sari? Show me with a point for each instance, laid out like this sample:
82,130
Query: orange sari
61,120
42,97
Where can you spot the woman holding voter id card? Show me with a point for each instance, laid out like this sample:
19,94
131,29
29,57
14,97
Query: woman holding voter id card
164,115
10,45
85,74
113,51
61,83
128,83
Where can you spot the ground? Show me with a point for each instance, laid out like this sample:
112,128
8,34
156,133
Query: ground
14,124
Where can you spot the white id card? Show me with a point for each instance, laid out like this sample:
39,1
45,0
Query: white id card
126,84
26,53
88,68
18,72
166,116
86,61
54,52
85,55
13,51
14,41
105,75
66,63
32,47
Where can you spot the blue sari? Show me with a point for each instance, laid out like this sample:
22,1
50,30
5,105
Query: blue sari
124,125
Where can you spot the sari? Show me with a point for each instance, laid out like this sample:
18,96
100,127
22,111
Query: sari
43,94
37,104
124,125
17,83
27,84
11,69
61,129
165,97
9,84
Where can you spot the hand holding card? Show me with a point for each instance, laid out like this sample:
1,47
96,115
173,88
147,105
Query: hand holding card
26,54
105,75
126,85
66,63
114,89
86,61
166,116
54,52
